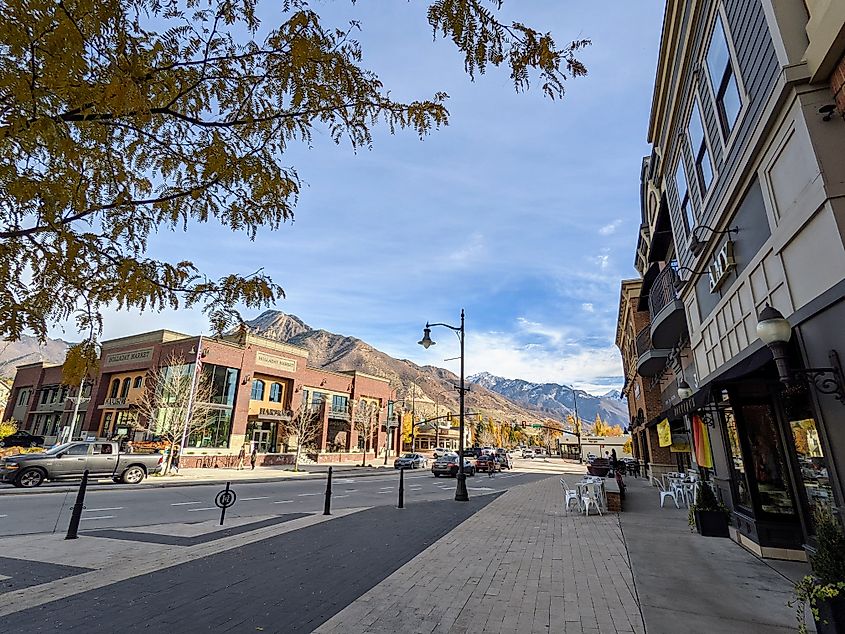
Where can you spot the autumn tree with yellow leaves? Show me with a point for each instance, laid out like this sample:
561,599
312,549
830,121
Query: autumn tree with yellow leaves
120,119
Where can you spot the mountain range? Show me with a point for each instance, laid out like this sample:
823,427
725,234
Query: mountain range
29,350
431,387
557,401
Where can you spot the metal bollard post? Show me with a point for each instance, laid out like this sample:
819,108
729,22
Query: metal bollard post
76,515
402,487
327,508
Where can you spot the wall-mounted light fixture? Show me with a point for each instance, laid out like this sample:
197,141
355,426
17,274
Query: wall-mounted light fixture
775,331
684,390
696,244
246,379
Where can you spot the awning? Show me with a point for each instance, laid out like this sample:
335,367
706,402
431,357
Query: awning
752,362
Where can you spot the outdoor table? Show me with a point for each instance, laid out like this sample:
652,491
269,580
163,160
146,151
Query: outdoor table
581,487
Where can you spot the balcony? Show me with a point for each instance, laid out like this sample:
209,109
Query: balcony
650,360
339,413
668,320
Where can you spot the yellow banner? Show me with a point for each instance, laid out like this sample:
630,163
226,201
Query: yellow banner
664,433
701,439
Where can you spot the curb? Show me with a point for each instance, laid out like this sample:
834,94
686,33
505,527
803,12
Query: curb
187,483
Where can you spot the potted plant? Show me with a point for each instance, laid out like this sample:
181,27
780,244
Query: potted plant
824,590
708,515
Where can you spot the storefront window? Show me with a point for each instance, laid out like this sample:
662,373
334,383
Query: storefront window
811,461
767,461
224,383
216,432
737,465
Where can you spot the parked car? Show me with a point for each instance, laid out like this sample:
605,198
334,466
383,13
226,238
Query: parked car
439,452
448,465
488,462
410,461
22,439
68,461
527,453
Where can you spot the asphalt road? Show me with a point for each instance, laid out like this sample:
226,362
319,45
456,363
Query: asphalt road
124,507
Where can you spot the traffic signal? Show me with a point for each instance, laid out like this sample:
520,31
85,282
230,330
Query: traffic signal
449,416
524,424
478,417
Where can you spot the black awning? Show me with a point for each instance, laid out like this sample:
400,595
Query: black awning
752,362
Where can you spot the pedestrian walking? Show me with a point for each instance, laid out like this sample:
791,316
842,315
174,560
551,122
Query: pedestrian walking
174,461
613,460
241,457
253,456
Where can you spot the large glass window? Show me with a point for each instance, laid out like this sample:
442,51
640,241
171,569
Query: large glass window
684,196
257,393
767,459
139,381
124,391
701,155
723,79
224,383
340,403
737,466
317,398
275,393
115,387
216,432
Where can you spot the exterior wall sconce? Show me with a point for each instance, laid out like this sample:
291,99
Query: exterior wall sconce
684,390
774,330
246,379
828,111
696,245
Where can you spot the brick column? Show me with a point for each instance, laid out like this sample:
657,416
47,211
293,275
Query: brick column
837,85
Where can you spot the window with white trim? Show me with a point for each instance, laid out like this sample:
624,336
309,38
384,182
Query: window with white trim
684,196
723,79
700,151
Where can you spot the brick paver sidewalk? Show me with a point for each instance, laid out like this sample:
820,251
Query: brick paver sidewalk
521,564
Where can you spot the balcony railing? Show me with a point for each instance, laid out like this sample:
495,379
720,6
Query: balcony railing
644,341
340,413
662,291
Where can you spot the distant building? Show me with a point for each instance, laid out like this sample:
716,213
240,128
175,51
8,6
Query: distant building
257,384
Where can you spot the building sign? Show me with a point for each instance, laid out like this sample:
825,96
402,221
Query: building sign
721,266
277,363
271,413
131,356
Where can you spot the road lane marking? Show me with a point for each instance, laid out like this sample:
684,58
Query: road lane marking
205,508
340,496
4,516
110,508
99,517
385,488
263,497
284,502
350,490
304,495
184,503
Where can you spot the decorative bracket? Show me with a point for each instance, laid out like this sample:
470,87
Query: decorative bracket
825,380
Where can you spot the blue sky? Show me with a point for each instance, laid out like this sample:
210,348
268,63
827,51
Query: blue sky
523,211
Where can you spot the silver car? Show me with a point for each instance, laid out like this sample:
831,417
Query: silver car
411,461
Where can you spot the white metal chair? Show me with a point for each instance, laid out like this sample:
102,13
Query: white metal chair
591,495
664,493
571,494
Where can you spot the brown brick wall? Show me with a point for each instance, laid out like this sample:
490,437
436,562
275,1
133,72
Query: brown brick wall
837,85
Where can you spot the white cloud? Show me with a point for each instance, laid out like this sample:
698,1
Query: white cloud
587,307
611,228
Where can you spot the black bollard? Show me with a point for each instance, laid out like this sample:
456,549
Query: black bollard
76,514
327,508
402,488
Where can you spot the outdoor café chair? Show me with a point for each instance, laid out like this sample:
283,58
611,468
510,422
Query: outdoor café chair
571,494
664,493
591,495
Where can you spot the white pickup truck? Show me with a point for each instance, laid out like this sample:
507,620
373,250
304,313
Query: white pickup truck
69,460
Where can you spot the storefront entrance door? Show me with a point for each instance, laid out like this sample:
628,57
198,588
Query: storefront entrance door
261,438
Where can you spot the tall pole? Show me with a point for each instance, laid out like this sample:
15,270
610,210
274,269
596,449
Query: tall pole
76,409
577,425
461,493
413,416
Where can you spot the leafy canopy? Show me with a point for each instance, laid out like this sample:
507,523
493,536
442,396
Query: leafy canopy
123,118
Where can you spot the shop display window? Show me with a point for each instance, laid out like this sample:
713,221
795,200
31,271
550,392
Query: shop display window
767,459
737,466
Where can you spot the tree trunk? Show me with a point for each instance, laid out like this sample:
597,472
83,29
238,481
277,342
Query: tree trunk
169,458
296,458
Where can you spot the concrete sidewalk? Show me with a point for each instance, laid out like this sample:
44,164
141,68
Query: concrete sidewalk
522,564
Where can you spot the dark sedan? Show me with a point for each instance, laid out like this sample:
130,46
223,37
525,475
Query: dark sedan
22,439
448,466
488,462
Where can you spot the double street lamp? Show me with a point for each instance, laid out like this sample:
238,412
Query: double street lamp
461,494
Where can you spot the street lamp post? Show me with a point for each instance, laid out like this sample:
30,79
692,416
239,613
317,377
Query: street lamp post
461,493
577,425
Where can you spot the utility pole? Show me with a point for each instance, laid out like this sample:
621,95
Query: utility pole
577,425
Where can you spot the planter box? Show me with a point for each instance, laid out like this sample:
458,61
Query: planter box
712,523
831,616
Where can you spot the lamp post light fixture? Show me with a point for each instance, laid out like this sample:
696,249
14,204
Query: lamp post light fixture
461,493
775,331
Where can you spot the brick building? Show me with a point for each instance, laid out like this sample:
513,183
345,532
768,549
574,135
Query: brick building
257,385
